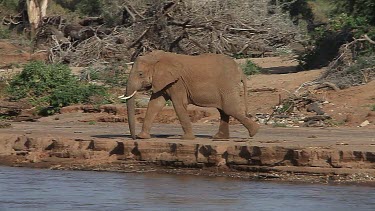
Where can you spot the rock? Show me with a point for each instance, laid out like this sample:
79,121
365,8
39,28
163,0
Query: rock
314,107
364,124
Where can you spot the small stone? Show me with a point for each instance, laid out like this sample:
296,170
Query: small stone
271,122
261,121
364,124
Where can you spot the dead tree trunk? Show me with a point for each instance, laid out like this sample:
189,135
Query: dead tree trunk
36,10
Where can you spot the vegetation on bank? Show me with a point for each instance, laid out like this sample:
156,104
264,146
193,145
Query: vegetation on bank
250,68
52,86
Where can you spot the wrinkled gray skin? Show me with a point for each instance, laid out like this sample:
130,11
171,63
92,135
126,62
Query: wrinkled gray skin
208,80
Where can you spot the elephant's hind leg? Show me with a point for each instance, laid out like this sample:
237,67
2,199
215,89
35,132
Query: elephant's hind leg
223,132
238,113
250,125
157,102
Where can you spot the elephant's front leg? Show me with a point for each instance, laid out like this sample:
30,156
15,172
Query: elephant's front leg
157,102
180,106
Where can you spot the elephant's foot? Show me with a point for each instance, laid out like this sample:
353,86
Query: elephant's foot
188,136
221,135
143,135
253,129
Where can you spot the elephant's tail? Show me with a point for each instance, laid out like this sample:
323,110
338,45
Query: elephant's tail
245,93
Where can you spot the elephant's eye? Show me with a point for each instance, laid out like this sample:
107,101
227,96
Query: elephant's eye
140,74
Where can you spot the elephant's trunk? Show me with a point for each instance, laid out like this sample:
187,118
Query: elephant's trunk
130,104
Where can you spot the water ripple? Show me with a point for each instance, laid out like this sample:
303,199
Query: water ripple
33,189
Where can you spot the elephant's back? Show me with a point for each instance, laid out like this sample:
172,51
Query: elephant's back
219,64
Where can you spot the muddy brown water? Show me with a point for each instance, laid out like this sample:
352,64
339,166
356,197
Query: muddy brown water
36,189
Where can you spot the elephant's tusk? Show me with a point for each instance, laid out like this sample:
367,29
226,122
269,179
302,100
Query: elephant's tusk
123,97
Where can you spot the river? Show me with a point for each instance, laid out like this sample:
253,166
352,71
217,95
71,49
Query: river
36,189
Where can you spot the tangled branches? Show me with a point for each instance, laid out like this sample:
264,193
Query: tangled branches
96,49
236,28
350,67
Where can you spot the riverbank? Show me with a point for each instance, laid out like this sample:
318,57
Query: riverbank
338,155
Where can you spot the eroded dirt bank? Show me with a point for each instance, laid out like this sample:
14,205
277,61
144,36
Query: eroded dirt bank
286,154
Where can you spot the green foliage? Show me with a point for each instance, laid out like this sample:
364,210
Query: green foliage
4,33
92,123
68,4
327,39
9,4
358,8
344,22
249,68
51,87
90,7
373,107
168,103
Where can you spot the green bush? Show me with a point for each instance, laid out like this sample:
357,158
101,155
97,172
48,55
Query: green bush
249,68
357,8
4,33
328,39
52,86
90,7
373,107
9,4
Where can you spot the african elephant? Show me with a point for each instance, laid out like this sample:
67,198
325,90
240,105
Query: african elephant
209,80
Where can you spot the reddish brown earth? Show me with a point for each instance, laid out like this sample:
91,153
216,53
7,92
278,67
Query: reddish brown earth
90,138
16,54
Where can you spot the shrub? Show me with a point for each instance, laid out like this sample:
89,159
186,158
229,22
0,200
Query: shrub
328,39
90,7
361,71
9,4
52,86
249,68
373,107
4,33
359,8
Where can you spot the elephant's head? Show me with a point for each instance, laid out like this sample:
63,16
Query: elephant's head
154,71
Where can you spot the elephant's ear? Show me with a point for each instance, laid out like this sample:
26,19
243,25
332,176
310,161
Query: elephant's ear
165,73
